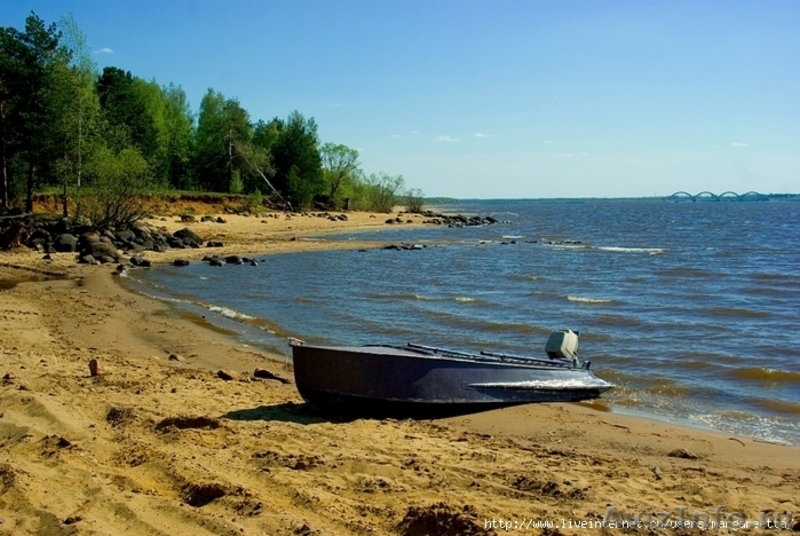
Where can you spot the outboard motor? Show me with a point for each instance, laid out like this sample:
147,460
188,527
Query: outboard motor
563,344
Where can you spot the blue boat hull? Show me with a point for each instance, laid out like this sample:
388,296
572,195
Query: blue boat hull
398,382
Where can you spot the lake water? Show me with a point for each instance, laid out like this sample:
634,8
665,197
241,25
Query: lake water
691,309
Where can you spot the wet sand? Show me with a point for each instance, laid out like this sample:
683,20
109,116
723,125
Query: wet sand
161,445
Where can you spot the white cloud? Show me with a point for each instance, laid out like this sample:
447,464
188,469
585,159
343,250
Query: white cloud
481,135
104,50
567,155
446,137
737,144
395,135
415,131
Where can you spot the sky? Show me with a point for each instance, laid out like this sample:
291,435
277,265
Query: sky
490,98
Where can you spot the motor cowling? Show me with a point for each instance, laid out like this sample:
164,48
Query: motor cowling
562,344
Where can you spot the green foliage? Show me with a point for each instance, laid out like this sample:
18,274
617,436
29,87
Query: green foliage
296,160
125,109
414,200
120,182
62,123
340,168
377,193
222,124
27,114
179,131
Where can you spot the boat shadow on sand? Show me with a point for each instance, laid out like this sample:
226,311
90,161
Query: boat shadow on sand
299,413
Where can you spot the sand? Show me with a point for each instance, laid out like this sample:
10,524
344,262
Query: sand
161,445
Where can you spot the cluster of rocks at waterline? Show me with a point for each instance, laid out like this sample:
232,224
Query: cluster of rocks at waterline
457,220
108,245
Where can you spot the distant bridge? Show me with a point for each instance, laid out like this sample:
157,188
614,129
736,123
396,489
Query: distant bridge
711,196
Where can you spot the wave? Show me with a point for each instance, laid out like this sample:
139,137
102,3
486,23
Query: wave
523,277
465,299
392,297
621,249
684,272
594,301
229,313
736,311
764,375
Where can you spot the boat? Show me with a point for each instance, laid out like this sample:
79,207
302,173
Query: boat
425,381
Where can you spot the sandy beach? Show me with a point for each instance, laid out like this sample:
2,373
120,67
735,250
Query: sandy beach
159,444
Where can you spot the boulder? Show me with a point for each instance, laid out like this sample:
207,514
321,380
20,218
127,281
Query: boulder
185,233
233,259
214,244
264,374
66,243
101,248
228,375
216,261
180,262
94,367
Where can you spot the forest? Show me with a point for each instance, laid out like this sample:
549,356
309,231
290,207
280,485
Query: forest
96,137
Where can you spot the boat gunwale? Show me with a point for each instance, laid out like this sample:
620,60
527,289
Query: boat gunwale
417,353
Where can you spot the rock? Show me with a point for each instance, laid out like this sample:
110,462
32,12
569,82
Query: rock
188,218
87,259
180,262
66,243
102,249
71,520
216,261
94,367
185,233
264,374
233,259
176,357
213,244
175,242
220,219
228,375
9,377
125,236
682,453
105,259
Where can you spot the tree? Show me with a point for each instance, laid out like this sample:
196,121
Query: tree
120,181
125,110
380,191
414,200
296,159
28,66
179,132
339,167
221,124
9,97
78,110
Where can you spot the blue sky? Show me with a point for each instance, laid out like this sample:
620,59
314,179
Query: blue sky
491,98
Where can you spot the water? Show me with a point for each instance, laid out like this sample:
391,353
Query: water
691,309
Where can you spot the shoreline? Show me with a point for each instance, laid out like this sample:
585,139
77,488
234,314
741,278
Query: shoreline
160,446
